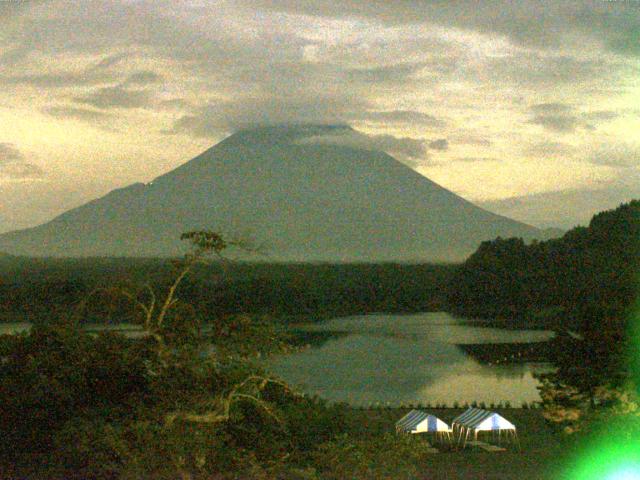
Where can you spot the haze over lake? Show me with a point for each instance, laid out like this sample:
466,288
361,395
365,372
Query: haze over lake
401,359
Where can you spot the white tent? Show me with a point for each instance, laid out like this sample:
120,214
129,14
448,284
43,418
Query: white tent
476,420
417,421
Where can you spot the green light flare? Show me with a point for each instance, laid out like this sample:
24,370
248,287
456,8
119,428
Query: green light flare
611,459
625,473
608,455
634,344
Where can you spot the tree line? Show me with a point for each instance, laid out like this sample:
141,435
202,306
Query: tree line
585,287
31,289
582,281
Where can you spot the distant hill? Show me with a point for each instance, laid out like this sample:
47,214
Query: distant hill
565,209
580,281
306,199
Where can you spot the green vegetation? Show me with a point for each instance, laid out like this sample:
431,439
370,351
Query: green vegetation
584,281
175,403
191,402
587,282
80,406
36,289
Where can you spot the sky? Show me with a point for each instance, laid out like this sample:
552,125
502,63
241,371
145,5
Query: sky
529,108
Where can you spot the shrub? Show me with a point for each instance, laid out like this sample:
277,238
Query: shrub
388,456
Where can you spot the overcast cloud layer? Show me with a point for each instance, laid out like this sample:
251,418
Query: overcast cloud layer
497,101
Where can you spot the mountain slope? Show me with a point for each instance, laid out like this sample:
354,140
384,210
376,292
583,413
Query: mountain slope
306,200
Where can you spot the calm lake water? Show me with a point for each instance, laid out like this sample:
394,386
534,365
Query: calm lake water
401,359
397,359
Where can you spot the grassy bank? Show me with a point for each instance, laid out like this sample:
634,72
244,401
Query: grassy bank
372,442
541,457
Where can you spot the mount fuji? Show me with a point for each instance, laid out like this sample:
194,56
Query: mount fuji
300,190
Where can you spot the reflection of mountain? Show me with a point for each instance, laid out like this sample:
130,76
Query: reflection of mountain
405,359
306,199
367,367
436,326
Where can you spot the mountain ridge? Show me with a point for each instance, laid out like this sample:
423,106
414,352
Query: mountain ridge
308,201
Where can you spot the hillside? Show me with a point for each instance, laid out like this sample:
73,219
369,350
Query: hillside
305,200
580,281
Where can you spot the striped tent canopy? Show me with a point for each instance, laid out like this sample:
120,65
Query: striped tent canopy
417,421
479,420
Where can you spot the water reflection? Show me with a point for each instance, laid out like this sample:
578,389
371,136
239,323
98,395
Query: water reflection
396,359
409,359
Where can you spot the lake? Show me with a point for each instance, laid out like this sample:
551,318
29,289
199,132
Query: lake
403,359
396,359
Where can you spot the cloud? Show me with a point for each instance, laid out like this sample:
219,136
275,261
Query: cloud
540,69
462,137
13,8
563,118
116,97
621,155
110,60
371,51
409,150
404,147
601,115
440,144
550,149
474,159
396,73
143,77
13,56
9,153
557,123
84,114
60,79
175,104
615,25
93,74
215,118
398,117
14,165
552,108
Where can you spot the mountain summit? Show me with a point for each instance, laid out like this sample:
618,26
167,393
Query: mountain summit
305,191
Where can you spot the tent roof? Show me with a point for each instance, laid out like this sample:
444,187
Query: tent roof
419,421
478,419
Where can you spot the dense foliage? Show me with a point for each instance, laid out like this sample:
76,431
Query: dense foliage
82,406
177,403
32,289
584,282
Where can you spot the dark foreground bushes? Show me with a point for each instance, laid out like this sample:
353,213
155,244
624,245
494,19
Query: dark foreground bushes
101,407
